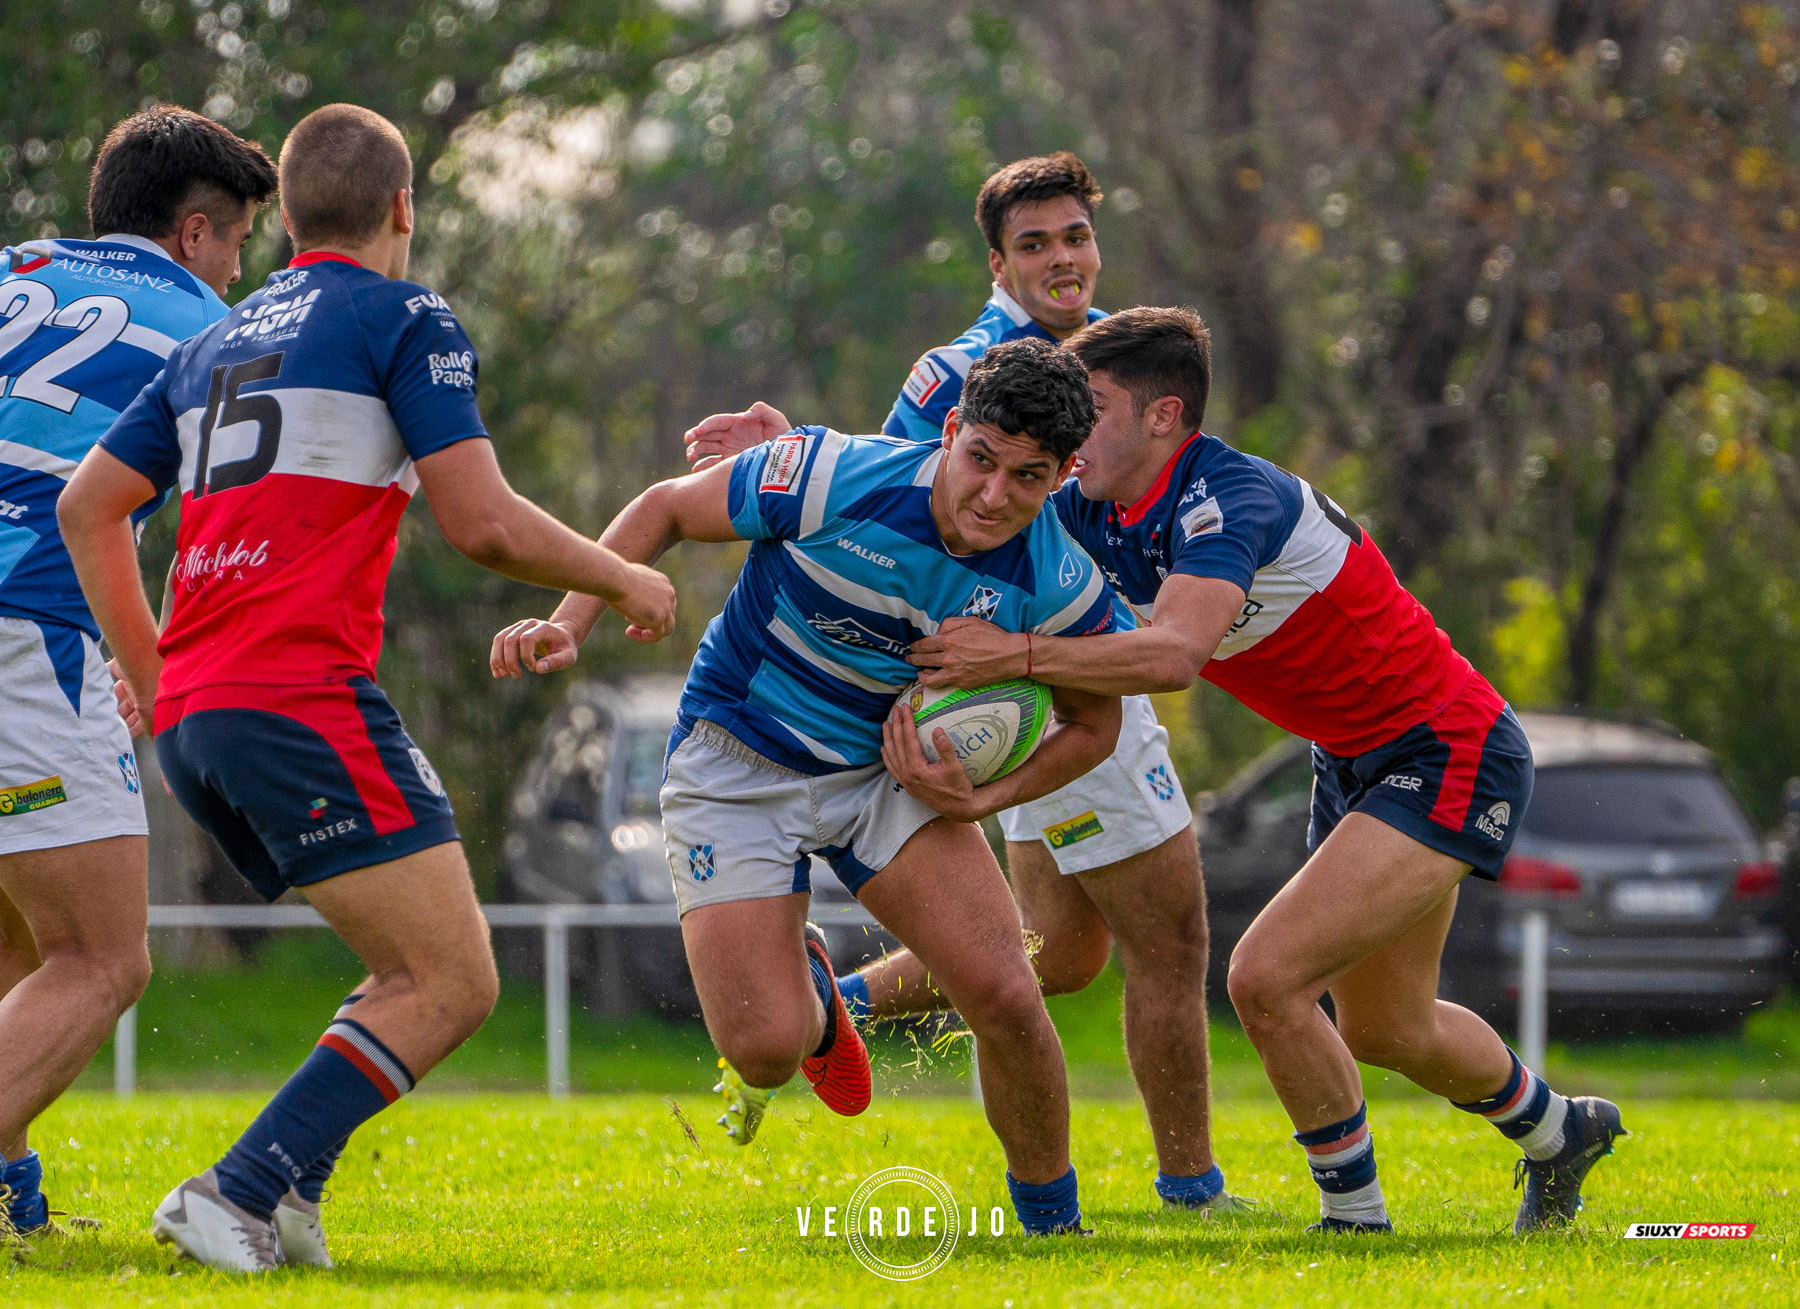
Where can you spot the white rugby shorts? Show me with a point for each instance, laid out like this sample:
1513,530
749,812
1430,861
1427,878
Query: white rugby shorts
737,826
68,772
1130,803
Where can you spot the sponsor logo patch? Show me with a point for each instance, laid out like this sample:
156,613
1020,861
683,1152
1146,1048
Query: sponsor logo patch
1204,519
318,808
926,376
11,511
325,833
700,863
851,632
1404,782
782,468
1161,782
452,368
430,300
863,552
24,798
1076,829
1493,822
982,604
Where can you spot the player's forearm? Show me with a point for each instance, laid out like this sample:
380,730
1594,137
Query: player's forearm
1077,743
1142,662
642,533
105,559
528,545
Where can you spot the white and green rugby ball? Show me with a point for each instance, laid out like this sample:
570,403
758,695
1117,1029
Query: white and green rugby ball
993,730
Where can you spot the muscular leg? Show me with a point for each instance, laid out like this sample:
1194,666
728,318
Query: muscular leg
18,960
1375,903
1156,907
81,909
756,990
944,896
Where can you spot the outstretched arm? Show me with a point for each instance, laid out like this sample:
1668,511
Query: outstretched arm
722,437
94,513
692,508
1193,614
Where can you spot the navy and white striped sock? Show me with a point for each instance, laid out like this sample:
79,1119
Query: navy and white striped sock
1525,1110
311,1185
1342,1159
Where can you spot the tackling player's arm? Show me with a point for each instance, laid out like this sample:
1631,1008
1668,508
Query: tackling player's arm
1193,614
94,513
691,508
1084,734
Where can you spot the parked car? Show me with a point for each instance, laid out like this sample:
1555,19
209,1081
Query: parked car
1662,900
586,828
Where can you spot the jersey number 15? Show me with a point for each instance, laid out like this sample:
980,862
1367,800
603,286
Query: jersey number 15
224,408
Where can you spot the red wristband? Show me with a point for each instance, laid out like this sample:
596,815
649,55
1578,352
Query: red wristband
1028,654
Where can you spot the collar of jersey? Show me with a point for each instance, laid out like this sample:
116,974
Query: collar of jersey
1132,514
143,243
320,257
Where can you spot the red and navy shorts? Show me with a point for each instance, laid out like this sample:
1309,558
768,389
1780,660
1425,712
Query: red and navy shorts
301,783
1458,782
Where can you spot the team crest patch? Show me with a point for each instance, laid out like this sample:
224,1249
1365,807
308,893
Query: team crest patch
128,771
700,863
32,795
1493,822
982,604
1076,829
1204,518
782,468
926,376
427,774
1161,782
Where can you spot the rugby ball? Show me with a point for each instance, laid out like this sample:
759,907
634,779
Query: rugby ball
993,730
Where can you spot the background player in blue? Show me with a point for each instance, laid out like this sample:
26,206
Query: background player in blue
299,427
84,324
1112,856
789,715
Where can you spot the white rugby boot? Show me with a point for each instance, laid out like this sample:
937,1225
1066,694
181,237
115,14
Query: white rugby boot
302,1235
210,1229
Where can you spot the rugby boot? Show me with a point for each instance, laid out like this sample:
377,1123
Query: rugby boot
1553,1186
744,1105
1345,1227
302,1235
841,1076
209,1229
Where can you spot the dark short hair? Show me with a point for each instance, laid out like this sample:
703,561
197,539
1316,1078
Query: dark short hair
1025,181
164,163
340,167
1152,353
1029,386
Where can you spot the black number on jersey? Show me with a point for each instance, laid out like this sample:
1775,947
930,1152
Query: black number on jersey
224,407
1337,517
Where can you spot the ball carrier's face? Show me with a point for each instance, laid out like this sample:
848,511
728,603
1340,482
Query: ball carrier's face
1048,262
1128,446
990,485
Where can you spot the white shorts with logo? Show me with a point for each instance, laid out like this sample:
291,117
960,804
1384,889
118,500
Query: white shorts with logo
737,826
65,776
1130,803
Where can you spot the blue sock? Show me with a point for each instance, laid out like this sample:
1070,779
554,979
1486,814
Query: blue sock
348,1078
823,984
1052,1207
25,1203
311,1185
1191,1191
856,994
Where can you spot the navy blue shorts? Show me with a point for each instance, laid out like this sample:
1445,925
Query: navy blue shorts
1458,783
301,783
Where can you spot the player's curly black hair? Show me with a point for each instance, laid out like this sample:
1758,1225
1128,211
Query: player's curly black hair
1031,386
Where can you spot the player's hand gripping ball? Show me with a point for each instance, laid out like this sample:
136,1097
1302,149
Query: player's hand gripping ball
993,730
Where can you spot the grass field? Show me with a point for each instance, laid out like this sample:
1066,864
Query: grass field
516,1200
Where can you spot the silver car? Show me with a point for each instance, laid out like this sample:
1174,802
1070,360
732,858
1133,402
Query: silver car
585,828
1663,905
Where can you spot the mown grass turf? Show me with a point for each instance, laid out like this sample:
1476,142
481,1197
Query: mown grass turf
517,1200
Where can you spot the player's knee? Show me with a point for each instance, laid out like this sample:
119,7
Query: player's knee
1069,963
1261,994
764,1056
1006,1002
130,975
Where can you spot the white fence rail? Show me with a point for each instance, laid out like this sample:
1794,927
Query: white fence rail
555,920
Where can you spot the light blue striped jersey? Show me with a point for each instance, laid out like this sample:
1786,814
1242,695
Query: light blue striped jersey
846,571
935,384
83,326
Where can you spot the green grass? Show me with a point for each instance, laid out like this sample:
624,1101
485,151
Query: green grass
246,1027
516,1200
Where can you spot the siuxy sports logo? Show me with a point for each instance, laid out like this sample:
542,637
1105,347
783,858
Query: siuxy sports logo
1688,1231
1493,822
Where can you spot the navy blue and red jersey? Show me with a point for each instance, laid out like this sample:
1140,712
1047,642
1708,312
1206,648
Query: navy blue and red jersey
291,426
1329,645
